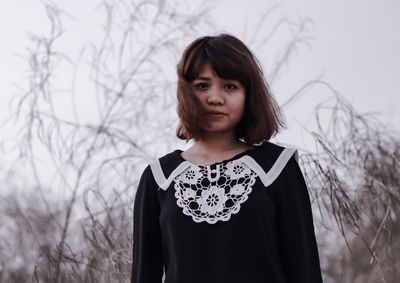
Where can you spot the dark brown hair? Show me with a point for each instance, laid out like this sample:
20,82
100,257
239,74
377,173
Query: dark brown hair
231,59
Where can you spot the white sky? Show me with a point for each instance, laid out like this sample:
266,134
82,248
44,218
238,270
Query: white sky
356,46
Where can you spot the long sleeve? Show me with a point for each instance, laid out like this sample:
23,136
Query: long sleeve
297,242
147,266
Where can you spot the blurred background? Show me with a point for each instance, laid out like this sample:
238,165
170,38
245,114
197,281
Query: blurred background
88,99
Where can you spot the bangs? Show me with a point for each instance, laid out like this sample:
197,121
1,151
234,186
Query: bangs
220,57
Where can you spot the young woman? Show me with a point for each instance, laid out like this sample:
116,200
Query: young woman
234,207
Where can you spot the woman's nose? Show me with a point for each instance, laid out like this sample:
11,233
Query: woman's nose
214,96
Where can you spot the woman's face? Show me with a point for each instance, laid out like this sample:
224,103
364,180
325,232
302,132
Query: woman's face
223,100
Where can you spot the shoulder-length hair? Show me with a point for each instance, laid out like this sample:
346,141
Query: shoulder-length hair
231,59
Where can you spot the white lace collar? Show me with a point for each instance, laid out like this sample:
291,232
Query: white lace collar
212,193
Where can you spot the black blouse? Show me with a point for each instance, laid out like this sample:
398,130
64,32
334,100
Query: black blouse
246,219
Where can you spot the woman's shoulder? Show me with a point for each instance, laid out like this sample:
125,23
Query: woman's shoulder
269,159
158,169
267,153
272,147
169,161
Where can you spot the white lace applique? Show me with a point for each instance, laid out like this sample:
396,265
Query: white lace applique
213,195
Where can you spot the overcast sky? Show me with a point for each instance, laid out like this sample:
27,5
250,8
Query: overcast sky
355,46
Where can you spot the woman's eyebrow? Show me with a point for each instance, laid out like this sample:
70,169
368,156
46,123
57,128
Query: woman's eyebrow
203,78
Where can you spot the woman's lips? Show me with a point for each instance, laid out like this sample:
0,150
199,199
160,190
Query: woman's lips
215,116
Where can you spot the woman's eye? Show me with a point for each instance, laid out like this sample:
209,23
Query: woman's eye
230,87
201,86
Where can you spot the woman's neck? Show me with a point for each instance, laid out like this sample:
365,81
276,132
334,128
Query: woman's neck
214,148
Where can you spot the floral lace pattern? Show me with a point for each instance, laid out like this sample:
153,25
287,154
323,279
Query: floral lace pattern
213,195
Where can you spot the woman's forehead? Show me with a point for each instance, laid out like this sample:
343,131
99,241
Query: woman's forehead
206,71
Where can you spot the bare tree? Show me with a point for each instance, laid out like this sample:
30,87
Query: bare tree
354,178
76,225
